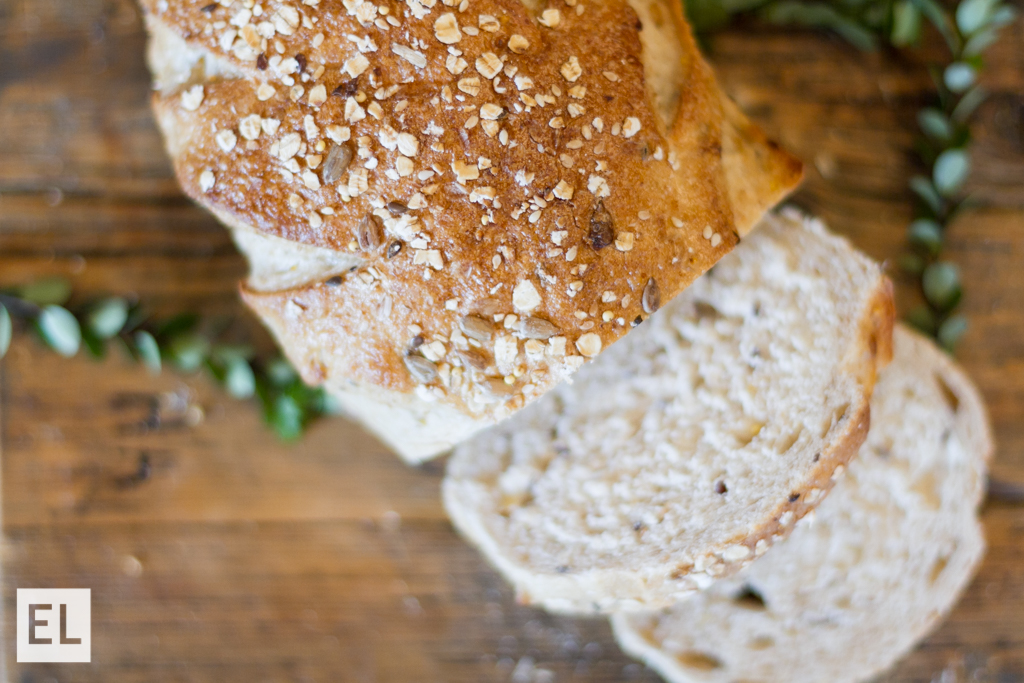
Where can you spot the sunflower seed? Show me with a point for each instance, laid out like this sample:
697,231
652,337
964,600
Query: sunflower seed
421,369
537,328
651,300
474,359
495,389
601,232
370,233
338,160
476,327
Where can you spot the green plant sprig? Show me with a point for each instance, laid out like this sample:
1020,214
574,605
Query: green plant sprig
968,30
185,342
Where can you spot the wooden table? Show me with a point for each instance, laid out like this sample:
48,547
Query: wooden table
239,559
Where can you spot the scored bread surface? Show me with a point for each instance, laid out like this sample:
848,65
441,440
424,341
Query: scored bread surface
883,559
692,444
534,168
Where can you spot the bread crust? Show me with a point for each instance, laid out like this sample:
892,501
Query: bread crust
509,181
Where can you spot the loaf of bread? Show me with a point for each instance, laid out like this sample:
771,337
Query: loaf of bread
449,207
884,559
694,443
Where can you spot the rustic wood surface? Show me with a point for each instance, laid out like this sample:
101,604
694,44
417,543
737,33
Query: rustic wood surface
240,559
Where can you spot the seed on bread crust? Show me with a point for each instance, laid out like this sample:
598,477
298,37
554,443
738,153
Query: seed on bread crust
338,160
370,233
589,344
476,328
421,369
602,230
473,358
651,300
537,328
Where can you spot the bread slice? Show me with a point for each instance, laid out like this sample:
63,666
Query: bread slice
694,443
541,165
884,559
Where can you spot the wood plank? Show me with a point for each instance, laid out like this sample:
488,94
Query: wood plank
383,600
74,455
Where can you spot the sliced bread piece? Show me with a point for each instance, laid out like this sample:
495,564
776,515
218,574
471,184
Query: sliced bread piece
692,444
885,557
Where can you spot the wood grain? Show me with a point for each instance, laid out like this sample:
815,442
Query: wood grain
216,553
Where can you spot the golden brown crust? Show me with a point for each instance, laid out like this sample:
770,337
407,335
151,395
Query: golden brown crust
539,185
758,173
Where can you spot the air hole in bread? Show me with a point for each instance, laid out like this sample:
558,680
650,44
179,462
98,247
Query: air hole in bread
512,501
750,599
952,400
837,416
761,643
938,568
787,441
699,661
747,432
706,310
928,487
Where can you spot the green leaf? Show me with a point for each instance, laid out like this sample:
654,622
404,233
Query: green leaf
6,330
972,15
1004,14
59,329
226,353
281,373
941,284
927,234
148,350
706,15
968,103
912,263
179,324
51,291
239,379
935,124
924,189
818,15
906,24
96,347
951,331
959,76
923,319
950,171
285,417
935,13
329,404
979,42
188,351
107,318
